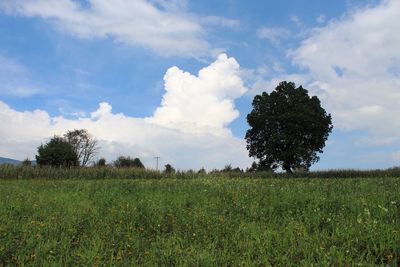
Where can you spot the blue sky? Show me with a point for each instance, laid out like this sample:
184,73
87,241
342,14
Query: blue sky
60,59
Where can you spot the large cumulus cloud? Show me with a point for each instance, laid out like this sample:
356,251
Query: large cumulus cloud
188,130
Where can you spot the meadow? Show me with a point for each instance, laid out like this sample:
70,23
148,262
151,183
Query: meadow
203,221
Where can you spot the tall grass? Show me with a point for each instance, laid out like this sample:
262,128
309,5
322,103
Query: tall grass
200,222
22,172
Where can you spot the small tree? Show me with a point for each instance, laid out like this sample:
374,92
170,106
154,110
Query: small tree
57,152
227,168
137,163
26,162
85,146
127,162
169,169
101,162
287,128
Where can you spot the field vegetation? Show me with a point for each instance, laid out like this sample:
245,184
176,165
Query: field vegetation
8,171
189,219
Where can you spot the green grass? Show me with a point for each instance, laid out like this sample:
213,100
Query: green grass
200,222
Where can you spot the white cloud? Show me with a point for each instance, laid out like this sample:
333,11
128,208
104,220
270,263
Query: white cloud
194,103
188,130
354,65
163,26
171,5
260,79
274,35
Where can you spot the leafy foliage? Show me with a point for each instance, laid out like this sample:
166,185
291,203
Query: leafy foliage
287,128
259,167
57,152
101,162
127,162
26,162
169,169
202,171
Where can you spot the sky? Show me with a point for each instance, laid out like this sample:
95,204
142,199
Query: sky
176,78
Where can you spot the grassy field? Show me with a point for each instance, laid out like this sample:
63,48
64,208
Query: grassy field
200,222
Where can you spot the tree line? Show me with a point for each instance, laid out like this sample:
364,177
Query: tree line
288,129
77,148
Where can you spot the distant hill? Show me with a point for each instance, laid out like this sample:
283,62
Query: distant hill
9,161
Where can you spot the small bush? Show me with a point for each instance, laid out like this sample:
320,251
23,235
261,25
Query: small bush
127,162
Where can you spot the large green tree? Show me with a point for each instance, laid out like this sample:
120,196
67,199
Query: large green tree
58,153
288,128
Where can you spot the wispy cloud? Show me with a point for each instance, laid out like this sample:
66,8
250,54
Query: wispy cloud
353,65
321,19
167,31
296,20
273,34
220,21
15,79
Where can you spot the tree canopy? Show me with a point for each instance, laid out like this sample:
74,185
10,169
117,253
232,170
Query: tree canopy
169,169
57,152
287,128
100,163
127,162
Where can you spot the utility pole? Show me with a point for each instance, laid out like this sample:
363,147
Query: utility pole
156,162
